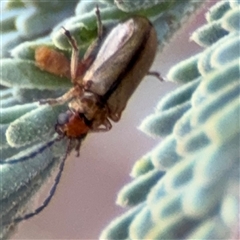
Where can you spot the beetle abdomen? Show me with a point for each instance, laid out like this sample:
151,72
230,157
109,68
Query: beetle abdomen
138,67
118,50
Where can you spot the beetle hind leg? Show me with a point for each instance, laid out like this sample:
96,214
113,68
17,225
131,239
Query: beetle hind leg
115,117
156,74
103,127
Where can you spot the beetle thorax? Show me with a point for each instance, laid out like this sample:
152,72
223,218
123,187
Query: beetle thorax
88,104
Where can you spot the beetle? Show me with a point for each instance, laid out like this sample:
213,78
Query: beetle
103,81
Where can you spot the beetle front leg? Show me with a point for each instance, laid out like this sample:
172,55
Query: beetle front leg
75,53
91,52
78,68
63,99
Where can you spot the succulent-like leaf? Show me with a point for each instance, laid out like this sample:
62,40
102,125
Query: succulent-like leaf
195,199
190,116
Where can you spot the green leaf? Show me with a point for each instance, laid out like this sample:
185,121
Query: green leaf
24,74
36,125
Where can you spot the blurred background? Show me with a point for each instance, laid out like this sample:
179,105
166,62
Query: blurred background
85,200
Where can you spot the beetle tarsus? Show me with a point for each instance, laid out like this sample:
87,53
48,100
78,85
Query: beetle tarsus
77,148
157,75
99,22
104,127
115,117
71,40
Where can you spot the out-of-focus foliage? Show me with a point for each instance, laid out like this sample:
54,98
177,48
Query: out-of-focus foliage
188,186
26,127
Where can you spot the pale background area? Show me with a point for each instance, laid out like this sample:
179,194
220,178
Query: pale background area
85,200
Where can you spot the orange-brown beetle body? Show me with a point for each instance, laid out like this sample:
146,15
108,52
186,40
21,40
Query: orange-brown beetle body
104,82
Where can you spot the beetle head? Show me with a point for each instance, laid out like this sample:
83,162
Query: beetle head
72,125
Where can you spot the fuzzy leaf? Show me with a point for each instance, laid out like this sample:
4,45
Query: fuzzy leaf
24,74
142,166
218,11
118,229
33,126
209,34
135,192
197,197
12,113
162,123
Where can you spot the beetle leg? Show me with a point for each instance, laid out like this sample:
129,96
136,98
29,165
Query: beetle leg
91,52
115,117
63,99
99,23
106,127
77,147
75,53
156,74
78,68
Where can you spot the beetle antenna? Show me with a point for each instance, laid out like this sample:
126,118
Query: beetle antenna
99,23
32,154
50,195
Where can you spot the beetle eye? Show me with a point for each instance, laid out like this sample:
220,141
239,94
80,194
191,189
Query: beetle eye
63,118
